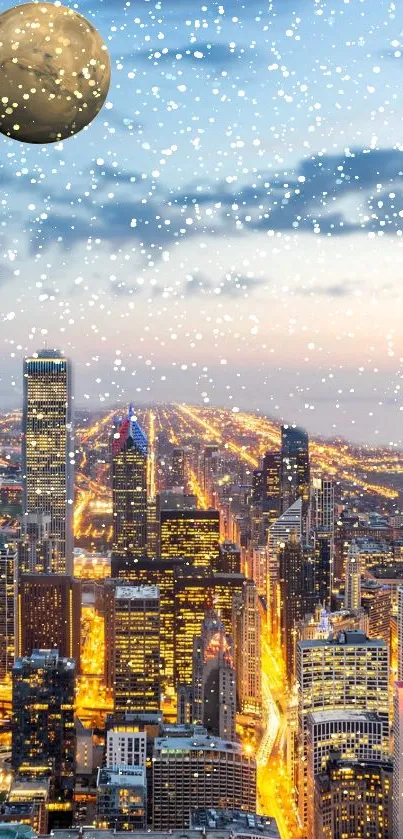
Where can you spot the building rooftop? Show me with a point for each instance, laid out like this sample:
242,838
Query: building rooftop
16,831
238,821
137,593
201,742
390,572
346,716
349,637
44,658
125,776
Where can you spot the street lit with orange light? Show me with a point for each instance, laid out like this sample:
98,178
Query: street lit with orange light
92,699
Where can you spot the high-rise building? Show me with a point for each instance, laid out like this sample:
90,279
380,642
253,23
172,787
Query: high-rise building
353,735
322,505
322,567
353,798
43,732
8,573
49,613
352,597
229,559
258,569
400,634
192,534
210,469
295,475
292,598
377,602
271,487
37,553
398,760
48,450
122,799
346,673
247,649
290,522
160,573
132,646
129,488
199,771
225,587
214,680
193,596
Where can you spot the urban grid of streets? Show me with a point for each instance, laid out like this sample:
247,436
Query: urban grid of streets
246,437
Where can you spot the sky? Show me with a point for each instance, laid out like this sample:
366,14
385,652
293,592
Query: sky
229,230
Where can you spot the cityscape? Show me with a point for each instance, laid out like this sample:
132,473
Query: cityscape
201,614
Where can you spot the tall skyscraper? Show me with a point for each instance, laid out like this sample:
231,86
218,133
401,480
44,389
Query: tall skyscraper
49,611
352,597
347,673
48,450
132,646
292,598
8,573
129,488
398,760
323,567
43,733
322,504
400,634
353,798
295,473
36,550
290,522
192,534
247,649
214,679
177,476
199,771
271,487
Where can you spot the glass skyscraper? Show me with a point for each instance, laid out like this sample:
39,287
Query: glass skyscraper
129,488
47,450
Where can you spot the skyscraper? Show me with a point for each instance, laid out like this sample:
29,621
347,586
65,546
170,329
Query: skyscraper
353,798
36,550
214,680
49,611
290,522
132,646
322,504
349,673
400,634
43,733
247,648
48,451
199,771
398,760
352,597
8,572
292,600
271,487
192,534
129,489
294,466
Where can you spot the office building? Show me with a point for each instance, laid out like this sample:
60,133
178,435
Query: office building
199,771
290,522
322,505
122,798
132,646
258,569
214,679
192,534
49,613
292,599
247,649
37,552
126,745
295,475
225,588
323,552
178,471
352,597
160,573
28,802
229,559
398,759
353,798
48,450
346,673
43,732
353,735
129,488
210,470
271,498
8,573
377,602
400,634
193,596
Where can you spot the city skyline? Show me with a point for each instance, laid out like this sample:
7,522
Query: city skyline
235,207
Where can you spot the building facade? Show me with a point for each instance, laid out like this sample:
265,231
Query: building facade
129,488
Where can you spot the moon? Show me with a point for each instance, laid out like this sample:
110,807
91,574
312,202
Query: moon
54,72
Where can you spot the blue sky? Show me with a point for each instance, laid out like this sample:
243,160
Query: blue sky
229,227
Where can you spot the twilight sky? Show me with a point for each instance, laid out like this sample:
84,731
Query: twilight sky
230,227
